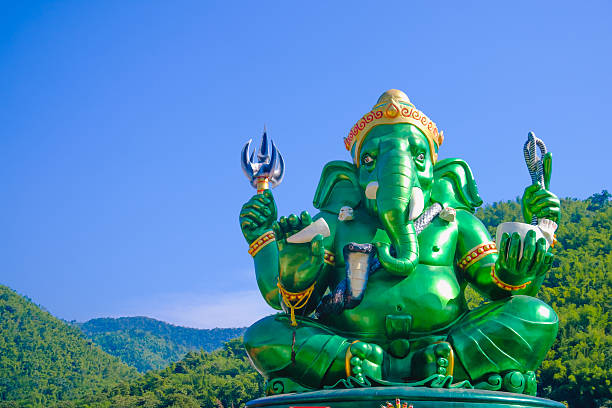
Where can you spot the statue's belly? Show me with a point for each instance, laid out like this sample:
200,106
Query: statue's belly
431,295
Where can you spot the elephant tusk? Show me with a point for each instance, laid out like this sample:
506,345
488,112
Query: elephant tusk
417,203
371,190
307,233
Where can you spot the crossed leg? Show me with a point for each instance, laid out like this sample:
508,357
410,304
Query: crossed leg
310,355
505,339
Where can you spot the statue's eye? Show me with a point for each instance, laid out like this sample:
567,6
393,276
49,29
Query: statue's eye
367,159
421,156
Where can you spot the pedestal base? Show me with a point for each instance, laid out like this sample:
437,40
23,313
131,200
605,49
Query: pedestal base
417,397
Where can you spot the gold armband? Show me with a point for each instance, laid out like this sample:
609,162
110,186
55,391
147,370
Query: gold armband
261,242
295,300
504,285
476,254
329,258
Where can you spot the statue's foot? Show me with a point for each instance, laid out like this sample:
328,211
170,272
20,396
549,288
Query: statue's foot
436,358
364,359
521,383
511,381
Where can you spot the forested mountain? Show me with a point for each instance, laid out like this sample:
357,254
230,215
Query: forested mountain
148,344
43,360
223,378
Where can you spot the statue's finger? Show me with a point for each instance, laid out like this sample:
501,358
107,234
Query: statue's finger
532,189
549,213
546,264
545,202
259,207
277,230
547,169
254,216
505,244
268,195
513,252
317,249
253,213
260,198
529,247
293,221
539,254
503,250
305,218
282,222
247,224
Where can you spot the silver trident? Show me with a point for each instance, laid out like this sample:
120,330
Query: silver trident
269,169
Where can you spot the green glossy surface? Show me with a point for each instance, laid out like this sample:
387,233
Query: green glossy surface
416,299
418,397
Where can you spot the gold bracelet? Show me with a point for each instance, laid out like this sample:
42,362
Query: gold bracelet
504,285
261,242
476,254
295,300
329,258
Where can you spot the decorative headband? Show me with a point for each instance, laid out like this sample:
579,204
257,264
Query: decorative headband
393,107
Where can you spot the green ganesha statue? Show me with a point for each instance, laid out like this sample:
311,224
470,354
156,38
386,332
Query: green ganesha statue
372,288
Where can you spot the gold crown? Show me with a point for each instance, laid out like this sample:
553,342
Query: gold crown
393,107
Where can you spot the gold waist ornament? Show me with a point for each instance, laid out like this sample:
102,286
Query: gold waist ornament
295,300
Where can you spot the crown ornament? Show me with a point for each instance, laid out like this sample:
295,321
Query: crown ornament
393,107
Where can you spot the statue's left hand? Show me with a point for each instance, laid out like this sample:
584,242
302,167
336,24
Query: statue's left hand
514,269
300,264
538,200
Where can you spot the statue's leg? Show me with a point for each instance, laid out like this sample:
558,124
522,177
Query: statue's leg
504,339
309,355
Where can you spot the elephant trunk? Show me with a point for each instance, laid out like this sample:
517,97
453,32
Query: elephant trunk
399,200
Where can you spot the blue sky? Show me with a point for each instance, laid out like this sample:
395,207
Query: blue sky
121,125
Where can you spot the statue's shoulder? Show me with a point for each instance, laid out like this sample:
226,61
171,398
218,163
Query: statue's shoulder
454,185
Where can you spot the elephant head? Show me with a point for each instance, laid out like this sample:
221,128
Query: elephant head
395,176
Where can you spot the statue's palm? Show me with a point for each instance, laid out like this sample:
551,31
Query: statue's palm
517,269
300,264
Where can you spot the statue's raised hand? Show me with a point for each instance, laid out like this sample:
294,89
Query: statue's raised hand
300,264
258,215
538,200
516,270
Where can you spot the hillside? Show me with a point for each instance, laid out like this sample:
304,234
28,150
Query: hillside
149,344
223,378
44,360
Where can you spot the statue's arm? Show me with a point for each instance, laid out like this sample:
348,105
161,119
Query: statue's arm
256,220
490,270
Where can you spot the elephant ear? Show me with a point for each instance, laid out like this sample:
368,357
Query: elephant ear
338,187
454,185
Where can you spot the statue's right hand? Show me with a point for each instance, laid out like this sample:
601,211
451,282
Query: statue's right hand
300,263
258,215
